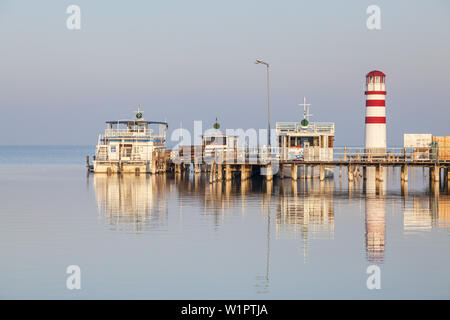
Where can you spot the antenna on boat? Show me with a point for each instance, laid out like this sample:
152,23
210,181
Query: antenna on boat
306,113
216,125
139,113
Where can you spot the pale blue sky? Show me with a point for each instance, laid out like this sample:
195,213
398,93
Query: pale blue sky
193,60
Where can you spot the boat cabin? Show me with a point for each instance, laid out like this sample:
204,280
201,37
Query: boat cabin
127,141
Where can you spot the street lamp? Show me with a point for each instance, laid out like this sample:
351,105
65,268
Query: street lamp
268,99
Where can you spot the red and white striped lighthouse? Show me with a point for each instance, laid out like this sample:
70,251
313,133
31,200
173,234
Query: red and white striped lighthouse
375,111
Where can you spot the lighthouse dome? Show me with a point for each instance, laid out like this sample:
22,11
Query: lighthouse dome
375,73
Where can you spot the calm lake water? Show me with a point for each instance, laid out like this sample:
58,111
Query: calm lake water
167,237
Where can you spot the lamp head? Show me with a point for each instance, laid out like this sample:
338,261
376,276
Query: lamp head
261,62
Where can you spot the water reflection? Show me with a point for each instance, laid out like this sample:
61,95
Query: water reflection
375,210
132,203
422,213
302,210
375,227
309,213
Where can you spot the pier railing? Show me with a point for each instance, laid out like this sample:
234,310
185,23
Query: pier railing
261,155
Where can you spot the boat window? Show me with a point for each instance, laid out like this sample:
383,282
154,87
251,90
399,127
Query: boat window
113,149
292,142
217,141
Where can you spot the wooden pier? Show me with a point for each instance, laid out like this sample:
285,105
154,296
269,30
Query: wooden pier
244,163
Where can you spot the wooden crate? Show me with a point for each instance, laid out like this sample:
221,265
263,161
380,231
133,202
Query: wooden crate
444,147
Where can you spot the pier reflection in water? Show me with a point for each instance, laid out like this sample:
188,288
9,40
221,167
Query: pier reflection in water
305,211
302,210
181,237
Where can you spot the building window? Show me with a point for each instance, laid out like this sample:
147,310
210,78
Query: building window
113,149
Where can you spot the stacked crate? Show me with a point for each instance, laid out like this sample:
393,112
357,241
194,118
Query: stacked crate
420,143
443,144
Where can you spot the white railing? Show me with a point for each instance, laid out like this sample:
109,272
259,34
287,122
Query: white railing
396,154
315,154
127,133
101,138
313,127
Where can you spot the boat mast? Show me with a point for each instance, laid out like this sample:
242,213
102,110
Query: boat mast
306,113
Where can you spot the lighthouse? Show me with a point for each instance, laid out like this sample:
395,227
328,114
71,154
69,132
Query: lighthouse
375,112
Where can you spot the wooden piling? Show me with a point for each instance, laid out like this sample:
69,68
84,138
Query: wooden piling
269,172
212,173
308,170
294,172
243,173
404,173
219,172
322,172
350,173
434,174
228,172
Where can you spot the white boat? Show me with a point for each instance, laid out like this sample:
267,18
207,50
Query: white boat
131,146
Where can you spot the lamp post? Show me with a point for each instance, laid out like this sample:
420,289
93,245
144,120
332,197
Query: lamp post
268,100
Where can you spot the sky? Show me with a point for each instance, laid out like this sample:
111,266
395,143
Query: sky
194,60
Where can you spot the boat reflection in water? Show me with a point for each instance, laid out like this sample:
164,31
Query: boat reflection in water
132,203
